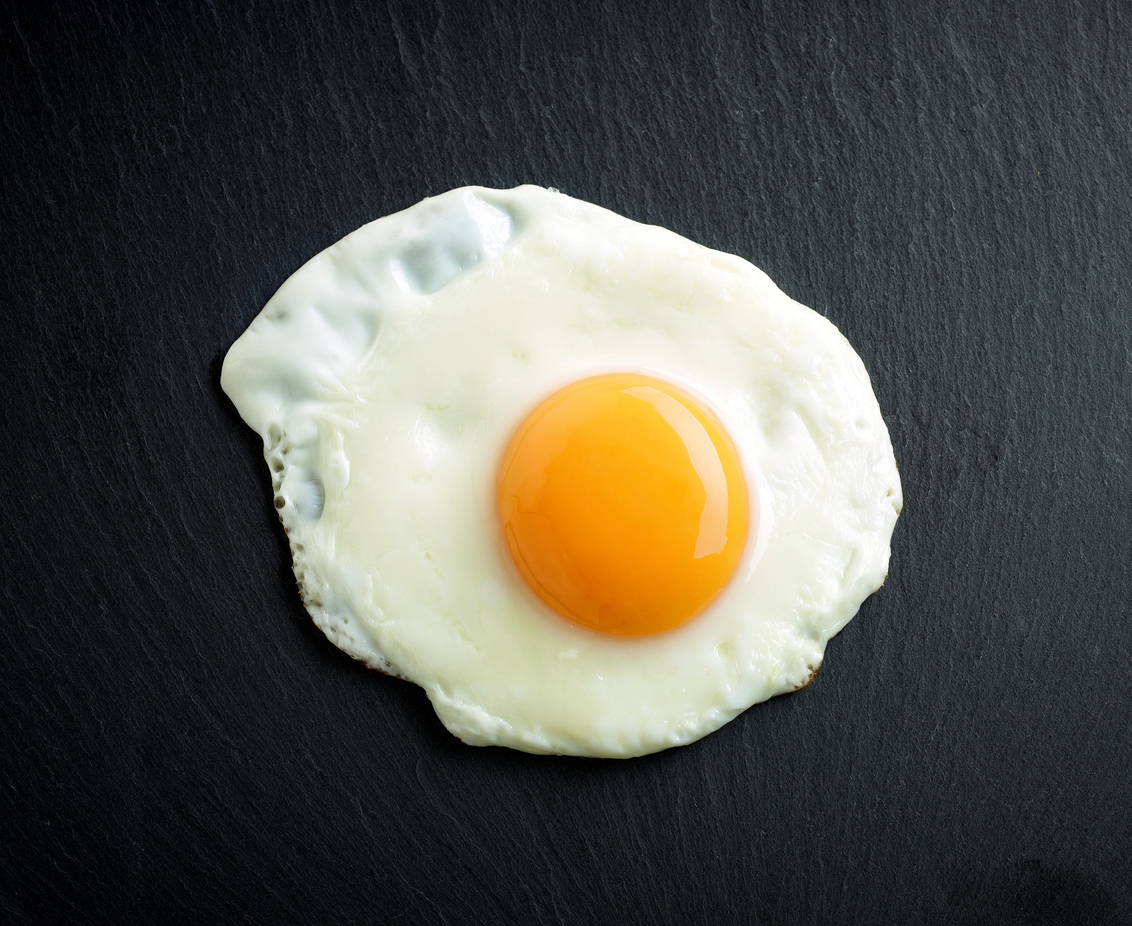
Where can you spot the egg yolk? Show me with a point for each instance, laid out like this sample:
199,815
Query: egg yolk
623,504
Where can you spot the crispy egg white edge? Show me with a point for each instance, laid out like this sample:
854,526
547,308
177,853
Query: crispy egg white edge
393,262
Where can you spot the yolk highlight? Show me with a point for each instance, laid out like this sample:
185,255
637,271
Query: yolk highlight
623,504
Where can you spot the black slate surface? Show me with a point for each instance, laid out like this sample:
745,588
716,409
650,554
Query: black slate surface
948,183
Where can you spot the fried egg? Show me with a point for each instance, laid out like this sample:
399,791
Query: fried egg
596,488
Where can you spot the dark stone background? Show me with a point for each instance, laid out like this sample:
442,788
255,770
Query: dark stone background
950,183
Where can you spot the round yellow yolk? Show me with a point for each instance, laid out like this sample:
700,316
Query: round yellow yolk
623,504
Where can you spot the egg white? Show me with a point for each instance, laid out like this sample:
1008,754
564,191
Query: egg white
386,376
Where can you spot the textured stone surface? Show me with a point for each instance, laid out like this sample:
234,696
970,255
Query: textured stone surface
949,184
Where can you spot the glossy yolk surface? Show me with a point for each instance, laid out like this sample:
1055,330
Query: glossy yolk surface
623,504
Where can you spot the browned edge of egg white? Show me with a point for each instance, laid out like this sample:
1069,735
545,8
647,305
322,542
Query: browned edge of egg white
310,601
813,672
